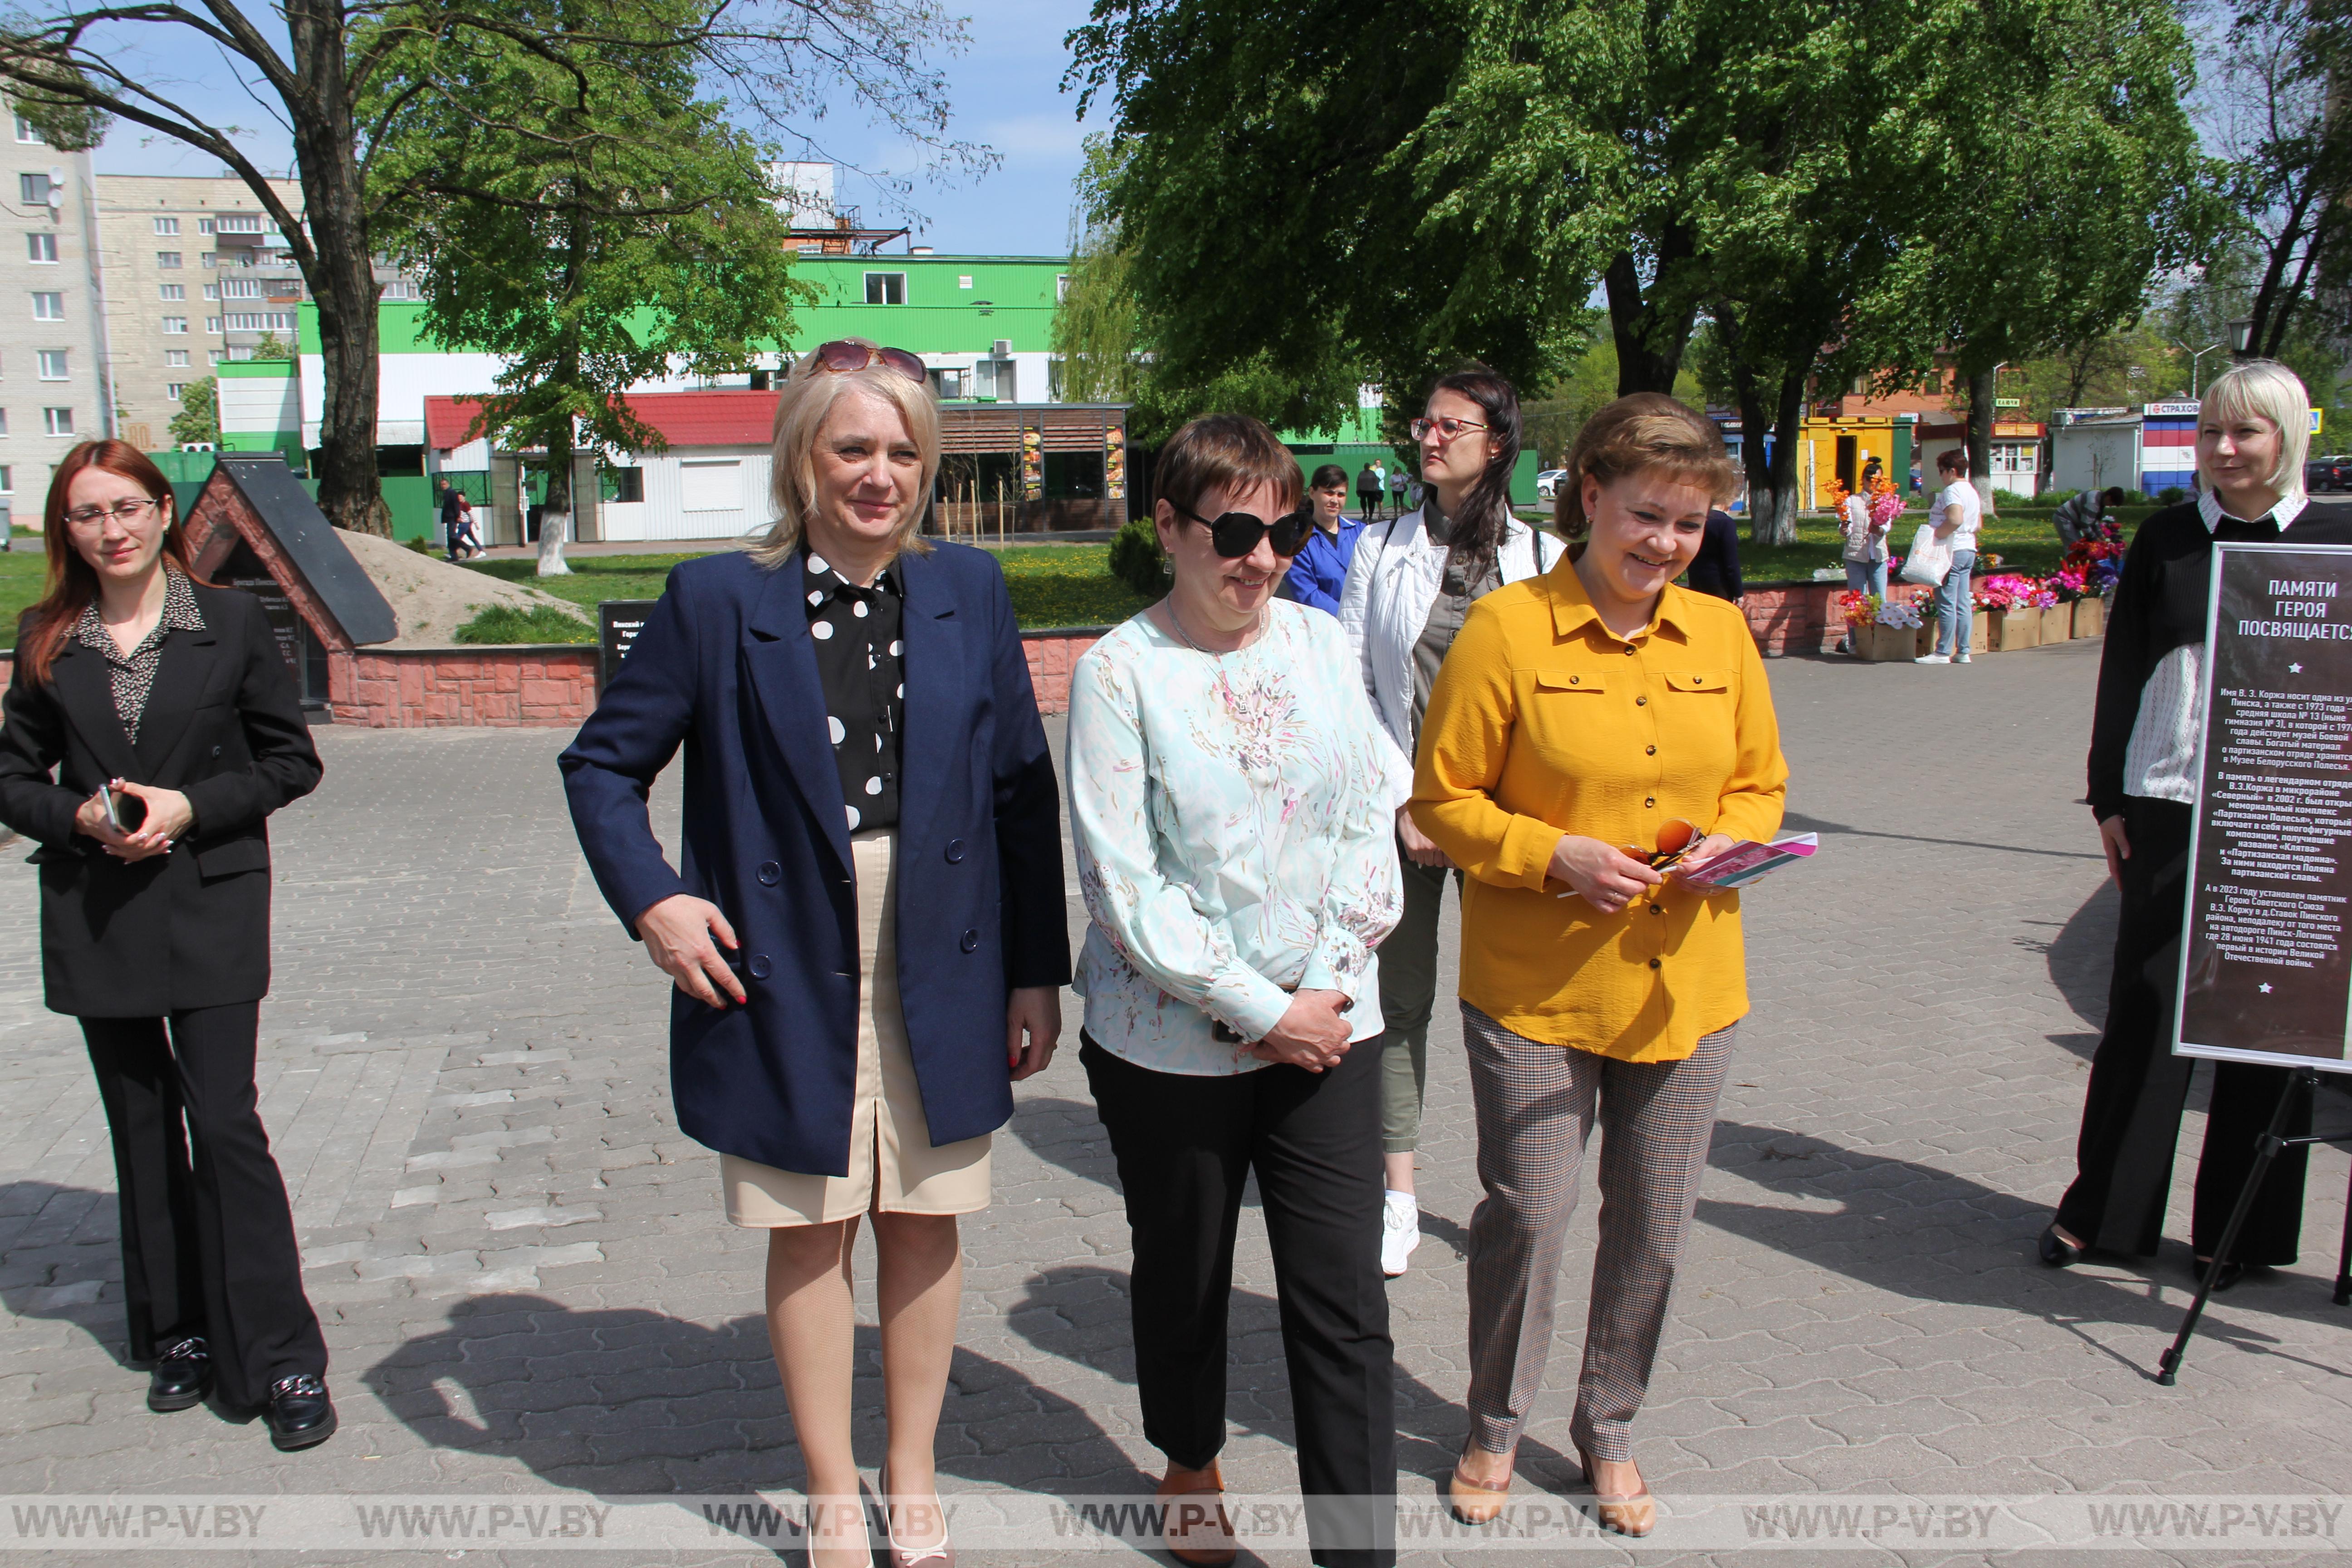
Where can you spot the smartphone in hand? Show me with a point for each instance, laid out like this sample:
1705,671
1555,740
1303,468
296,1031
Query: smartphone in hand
124,813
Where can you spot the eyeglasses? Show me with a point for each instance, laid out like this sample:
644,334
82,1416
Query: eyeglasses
1236,533
123,511
1448,429
848,357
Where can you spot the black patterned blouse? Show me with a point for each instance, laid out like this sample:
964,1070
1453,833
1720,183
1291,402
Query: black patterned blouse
860,664
133,674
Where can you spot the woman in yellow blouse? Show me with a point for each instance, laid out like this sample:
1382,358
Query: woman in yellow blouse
1584,720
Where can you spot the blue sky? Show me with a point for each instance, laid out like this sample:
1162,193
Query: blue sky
1005,89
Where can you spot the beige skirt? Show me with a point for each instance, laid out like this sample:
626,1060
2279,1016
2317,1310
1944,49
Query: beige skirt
893,1169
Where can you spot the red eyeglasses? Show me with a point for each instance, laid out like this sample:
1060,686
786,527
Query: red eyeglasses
849,356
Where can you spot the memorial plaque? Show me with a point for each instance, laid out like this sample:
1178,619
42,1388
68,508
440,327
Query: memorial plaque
618,621
2265,974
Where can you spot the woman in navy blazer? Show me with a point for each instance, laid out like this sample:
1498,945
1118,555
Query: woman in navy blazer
866,924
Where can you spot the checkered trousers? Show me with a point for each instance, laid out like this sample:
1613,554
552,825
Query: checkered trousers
1537,1105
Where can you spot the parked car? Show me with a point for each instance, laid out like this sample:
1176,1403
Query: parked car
2327,474
1546,480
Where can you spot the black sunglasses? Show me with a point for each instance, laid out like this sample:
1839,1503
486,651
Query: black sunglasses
1236,533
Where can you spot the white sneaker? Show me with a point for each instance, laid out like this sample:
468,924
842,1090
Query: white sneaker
1934,658
1960,659
1399,1232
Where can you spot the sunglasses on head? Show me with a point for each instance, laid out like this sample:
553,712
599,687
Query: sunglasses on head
1236,533
848,357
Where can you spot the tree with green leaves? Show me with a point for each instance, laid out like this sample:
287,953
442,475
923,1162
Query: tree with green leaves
197,424
594,220
782,62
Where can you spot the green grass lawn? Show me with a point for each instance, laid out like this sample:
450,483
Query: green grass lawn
1071,585
1052,584
2023,540
23,575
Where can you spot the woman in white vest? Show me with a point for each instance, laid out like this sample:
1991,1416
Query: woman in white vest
1413,581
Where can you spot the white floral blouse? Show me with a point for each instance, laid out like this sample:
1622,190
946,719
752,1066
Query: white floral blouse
1234,820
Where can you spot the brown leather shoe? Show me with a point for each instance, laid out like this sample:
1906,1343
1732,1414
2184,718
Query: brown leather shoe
1627,1513
1201,1533
1474,1502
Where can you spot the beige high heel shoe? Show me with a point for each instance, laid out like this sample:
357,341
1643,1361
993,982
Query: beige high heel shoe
1476,1502
1628,1514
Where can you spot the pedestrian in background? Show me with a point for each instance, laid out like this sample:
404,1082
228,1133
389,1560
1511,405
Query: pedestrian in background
1579,713
1715,570
865,923
1231,802
452,502
1954,515
1399,482
1411,583
2146,742
470,541
151,728
1865,546
2081,515
1368,491
1320,570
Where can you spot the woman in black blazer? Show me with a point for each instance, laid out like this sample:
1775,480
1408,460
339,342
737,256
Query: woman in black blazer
150,727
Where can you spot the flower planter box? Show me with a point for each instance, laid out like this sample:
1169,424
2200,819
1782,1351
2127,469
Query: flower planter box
2014,629
1980,632
1926,639
2057,623
2090,617
1884,645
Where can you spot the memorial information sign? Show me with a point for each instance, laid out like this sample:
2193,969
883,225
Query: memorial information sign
618,623
2265,974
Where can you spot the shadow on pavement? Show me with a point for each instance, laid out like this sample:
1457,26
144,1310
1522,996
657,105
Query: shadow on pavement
50,1218
1929,1236
608,1400
1430,1426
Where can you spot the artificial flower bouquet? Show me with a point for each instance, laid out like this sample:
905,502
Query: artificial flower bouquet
1860,609
1899,613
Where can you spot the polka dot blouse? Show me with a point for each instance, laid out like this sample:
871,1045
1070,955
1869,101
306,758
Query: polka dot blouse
860,664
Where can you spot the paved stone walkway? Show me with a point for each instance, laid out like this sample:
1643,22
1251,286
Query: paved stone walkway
528,1288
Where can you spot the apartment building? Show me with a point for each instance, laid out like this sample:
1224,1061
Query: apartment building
195,273
52,329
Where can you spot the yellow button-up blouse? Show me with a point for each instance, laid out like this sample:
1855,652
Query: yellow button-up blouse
1544,721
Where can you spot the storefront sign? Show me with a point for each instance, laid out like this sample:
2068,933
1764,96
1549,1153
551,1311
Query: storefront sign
2172,410
2265,974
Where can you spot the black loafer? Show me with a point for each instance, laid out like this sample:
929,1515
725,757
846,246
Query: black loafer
300,1415
182,1376
2056,1251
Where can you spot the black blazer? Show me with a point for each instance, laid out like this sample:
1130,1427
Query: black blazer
224,726
2159,605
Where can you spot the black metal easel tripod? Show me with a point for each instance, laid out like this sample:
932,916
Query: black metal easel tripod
2303,1081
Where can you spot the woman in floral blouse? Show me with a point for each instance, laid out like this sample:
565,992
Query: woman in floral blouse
1232,801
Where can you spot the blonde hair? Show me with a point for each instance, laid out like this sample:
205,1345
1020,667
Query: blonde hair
2266,389
1640,431
807,399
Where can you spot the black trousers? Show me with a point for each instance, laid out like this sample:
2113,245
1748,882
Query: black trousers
207,1234
1185,1145
2131,1112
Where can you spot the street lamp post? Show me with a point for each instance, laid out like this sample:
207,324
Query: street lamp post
2193,358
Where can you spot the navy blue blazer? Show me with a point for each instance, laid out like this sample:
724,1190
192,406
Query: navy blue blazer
726,666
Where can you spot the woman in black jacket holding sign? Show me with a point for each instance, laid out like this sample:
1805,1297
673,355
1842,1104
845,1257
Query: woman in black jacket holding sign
2144,771
150,727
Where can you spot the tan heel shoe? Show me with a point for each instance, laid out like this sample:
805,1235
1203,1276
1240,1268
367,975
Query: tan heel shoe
1200,1534
1628,1514
1474,1502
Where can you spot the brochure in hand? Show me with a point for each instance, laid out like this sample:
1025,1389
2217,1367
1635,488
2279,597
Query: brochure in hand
1748,860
